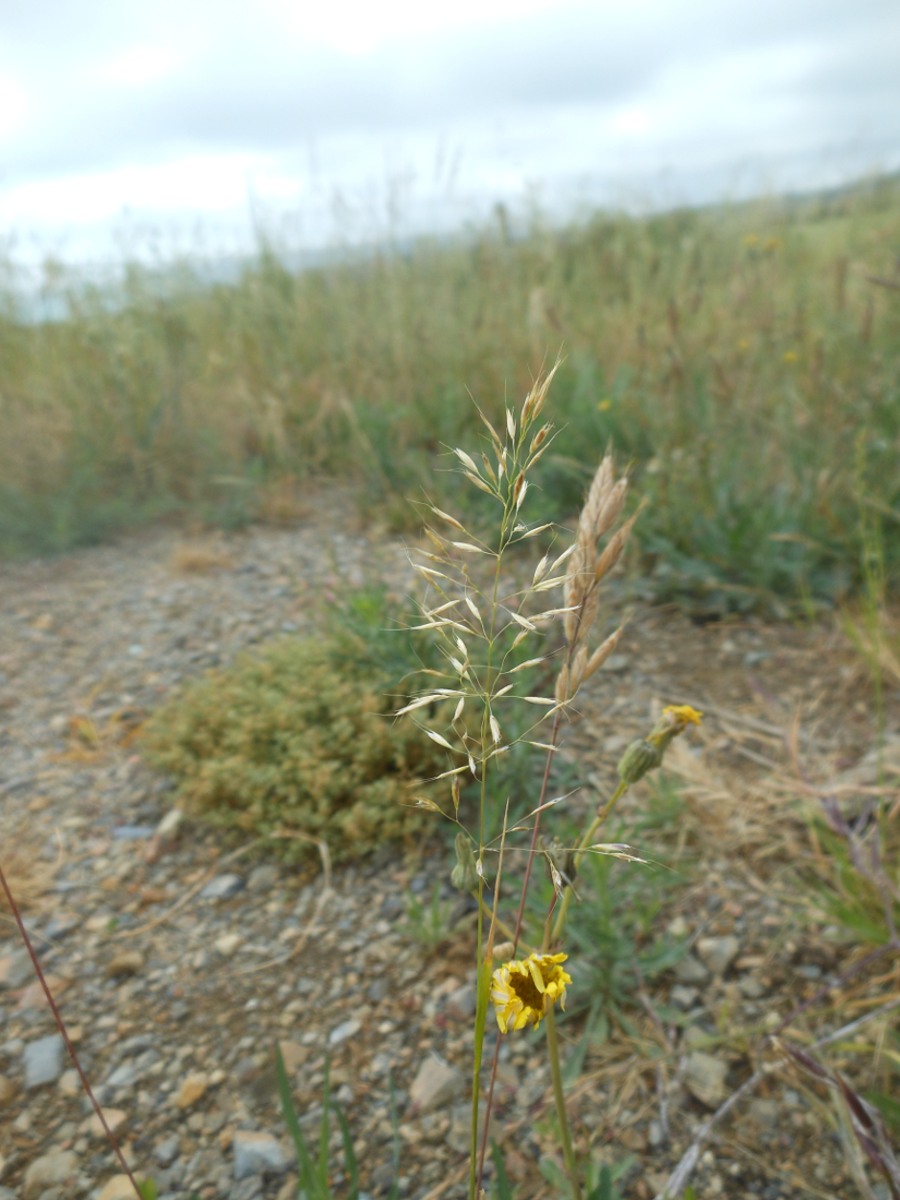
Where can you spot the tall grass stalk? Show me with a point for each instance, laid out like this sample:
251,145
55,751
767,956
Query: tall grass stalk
495,638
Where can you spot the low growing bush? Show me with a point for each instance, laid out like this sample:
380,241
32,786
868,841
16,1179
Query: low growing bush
286,741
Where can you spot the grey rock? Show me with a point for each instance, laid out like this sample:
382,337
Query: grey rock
166,1151
461,1002
19,970
263,878
222,887
122,1077
57,1169
377,990
60,925
257,1153
690,970
766,1112
705,1078
344,1031
718,953
133,833
752,988
435,1084
683,997
44,1060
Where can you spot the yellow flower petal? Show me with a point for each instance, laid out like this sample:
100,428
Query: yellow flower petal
523,990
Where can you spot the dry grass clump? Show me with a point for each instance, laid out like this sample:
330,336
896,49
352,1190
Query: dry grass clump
28,877
200,558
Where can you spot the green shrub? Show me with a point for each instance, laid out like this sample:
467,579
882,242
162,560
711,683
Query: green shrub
288,740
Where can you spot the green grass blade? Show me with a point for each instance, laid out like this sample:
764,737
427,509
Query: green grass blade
304,1162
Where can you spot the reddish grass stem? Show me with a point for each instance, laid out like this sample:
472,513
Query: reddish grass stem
64,1033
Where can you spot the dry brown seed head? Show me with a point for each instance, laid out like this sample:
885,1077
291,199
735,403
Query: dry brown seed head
614,548
602,653
561,690
598,493
611,508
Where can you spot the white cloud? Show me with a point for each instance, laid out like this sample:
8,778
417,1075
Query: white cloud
183,106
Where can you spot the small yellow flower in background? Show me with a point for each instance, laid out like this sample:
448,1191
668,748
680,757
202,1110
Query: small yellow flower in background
523,990
789,356
682,715
604,405
743,345
751,240
646,754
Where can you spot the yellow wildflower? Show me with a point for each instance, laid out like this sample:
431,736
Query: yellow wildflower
646,754
789,357
682,715
523,990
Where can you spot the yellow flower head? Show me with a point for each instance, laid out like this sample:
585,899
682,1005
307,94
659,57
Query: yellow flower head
523,990
682,715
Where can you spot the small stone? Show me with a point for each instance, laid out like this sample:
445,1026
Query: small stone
69,1084
222,887
294,1055
15,968
57,1169
461,1001
7,1090
125,963
60,925
683,997
117,1188
170,823
116,1119
44,1060
344,1031
690,970
809,971
192,1089
227,943
766,1112
167,1151
718,952
705,1078
34,995
435,1084
133,833
752,988
263,878
257,1154
122,1077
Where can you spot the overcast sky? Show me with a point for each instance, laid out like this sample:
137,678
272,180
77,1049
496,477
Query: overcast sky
359,118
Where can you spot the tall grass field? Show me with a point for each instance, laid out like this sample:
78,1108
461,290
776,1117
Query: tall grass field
744,359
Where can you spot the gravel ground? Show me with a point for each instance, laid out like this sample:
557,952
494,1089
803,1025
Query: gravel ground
178,958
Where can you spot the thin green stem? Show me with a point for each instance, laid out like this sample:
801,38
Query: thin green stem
565,1135
592,831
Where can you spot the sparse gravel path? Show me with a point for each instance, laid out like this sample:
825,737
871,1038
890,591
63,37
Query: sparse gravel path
178,960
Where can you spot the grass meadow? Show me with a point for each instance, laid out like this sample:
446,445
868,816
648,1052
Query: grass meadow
744,359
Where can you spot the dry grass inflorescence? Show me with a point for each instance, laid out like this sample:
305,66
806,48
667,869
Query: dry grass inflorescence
496,636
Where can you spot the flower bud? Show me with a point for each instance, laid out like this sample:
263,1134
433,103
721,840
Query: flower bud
640,757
